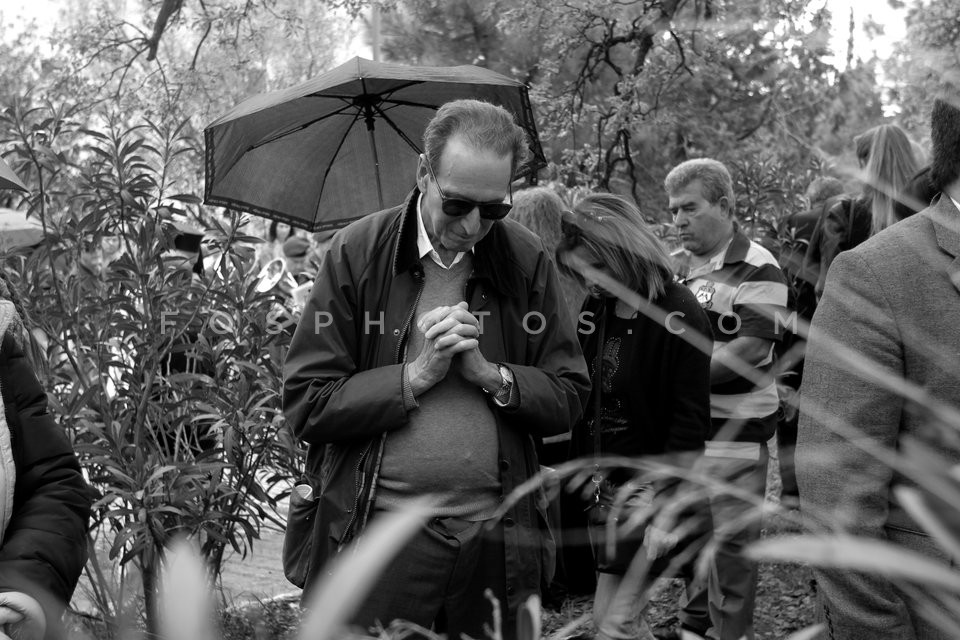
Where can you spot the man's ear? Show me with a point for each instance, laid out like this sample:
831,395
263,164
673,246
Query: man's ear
725,208
423,173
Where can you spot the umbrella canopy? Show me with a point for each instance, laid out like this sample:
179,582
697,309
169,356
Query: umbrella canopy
333,149
17,230
8,179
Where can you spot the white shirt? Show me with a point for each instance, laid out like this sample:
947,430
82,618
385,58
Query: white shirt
424,246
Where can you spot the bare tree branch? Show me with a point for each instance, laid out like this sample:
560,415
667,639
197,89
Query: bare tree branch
169,9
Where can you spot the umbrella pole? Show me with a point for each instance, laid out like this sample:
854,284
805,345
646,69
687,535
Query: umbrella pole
368,116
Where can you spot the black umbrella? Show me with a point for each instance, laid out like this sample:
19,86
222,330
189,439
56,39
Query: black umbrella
333,149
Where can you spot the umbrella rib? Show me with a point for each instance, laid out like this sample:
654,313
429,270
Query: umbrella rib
400,133
363,83
382,100
333,157
300,127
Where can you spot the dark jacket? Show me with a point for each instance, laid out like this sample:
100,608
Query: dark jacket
342,375
671,404
44,548
844,225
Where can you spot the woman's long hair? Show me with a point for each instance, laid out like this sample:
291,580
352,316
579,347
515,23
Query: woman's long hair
890,167
611,228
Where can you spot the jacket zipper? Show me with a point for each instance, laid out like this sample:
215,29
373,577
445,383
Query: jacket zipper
358,477
358,483
406,325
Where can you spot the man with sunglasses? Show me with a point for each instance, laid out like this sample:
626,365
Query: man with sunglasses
430,355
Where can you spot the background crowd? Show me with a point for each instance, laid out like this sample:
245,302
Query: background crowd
159,330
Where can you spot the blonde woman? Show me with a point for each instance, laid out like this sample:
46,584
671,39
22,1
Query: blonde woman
888,162
651,381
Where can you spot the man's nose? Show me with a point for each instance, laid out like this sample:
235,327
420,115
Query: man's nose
472,221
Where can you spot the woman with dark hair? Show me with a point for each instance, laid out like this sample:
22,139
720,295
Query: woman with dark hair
277,234
44,501
651,378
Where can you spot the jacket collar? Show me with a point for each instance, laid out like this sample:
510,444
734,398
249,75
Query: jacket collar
946,224
738,247
492,258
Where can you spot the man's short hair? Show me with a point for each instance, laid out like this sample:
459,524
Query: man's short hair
820,189
945,137
295,247
485,126
712,174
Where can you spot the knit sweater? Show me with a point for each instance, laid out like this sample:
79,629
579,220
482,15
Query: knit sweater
449,447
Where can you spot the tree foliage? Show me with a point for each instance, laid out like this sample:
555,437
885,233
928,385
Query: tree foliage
626,90
927,62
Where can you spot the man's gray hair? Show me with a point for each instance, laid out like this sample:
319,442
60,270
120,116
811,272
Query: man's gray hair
483,125
712,174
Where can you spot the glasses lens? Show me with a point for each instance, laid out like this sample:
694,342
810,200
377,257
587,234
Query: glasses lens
495,211
457,208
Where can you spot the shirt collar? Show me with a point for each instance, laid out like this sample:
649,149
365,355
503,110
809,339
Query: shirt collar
955,203
728,253
425,247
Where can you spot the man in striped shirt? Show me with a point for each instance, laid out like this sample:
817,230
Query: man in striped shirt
744,293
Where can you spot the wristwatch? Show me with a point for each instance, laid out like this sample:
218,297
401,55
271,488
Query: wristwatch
502,394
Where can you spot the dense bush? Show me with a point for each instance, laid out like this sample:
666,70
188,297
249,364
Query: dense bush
168,382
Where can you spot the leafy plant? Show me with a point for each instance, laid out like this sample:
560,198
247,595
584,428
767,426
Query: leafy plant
168,382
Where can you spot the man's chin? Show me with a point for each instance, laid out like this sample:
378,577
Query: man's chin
459,243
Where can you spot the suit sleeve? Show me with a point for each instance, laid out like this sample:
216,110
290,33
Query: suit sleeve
552,384
327,395
841,485
45,546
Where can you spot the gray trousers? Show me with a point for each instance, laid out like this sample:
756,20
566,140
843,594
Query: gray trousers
720,605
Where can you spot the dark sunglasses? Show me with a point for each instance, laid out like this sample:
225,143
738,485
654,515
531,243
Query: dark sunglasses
457,207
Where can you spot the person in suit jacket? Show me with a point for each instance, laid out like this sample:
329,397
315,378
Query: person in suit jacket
886,324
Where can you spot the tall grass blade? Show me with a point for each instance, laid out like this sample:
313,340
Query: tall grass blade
357,569
186,610
810,633
858,554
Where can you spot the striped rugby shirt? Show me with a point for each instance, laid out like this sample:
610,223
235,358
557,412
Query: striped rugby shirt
744,293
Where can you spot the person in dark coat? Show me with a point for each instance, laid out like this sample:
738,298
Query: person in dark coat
391,375
651,379
44,501
801,267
